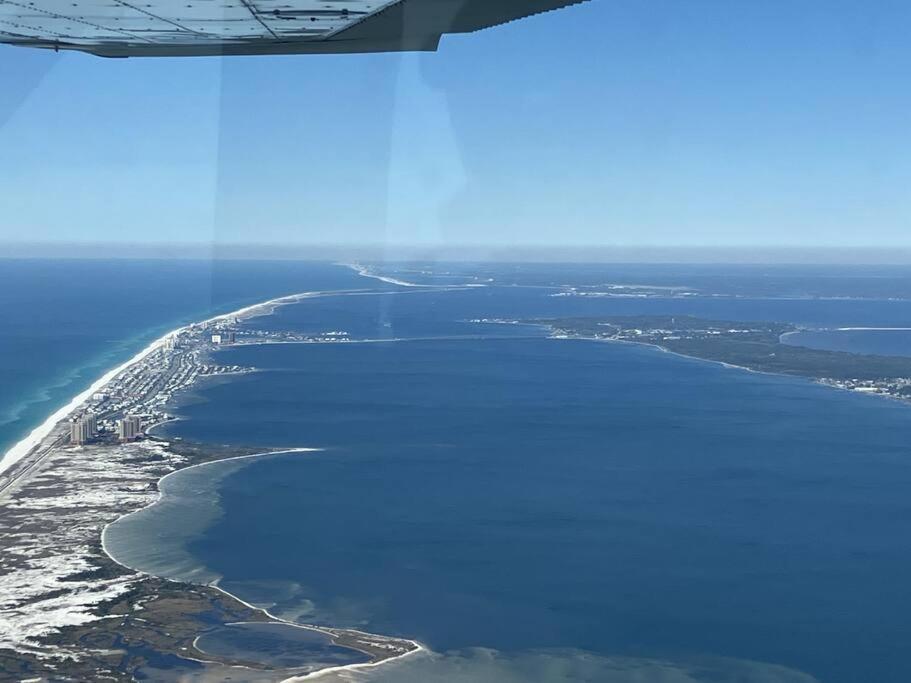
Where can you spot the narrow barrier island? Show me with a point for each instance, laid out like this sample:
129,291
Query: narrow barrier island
69,611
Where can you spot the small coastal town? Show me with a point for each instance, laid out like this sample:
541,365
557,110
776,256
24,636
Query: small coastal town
136,399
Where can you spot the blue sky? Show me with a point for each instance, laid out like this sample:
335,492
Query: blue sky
618,122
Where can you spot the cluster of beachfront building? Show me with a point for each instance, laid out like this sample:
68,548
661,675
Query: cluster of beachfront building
84,429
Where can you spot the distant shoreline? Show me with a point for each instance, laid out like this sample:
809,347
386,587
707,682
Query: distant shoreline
887,387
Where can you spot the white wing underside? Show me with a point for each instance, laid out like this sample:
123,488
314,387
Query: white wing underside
121,28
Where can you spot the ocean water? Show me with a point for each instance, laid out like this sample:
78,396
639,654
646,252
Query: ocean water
551,510
64,322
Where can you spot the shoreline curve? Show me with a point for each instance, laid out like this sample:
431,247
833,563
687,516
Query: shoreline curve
418,647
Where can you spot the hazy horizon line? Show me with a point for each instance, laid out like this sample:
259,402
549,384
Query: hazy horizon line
759,254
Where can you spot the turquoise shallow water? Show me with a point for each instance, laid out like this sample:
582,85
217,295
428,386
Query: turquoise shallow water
545,510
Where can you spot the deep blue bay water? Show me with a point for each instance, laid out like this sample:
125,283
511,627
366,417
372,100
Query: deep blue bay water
883,342
552,510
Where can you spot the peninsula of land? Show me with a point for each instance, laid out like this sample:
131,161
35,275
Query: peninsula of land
68,611
756,346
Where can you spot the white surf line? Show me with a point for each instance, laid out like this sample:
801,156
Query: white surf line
21,449
356,667
364,271
18,451
418,647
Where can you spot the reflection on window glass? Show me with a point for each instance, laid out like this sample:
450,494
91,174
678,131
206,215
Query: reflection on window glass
514,341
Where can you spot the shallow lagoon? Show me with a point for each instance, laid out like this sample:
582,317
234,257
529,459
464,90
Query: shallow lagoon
278,645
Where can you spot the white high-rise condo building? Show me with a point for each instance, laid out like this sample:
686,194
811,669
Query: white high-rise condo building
82,429
129,428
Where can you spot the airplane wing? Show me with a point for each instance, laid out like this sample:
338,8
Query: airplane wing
147,28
